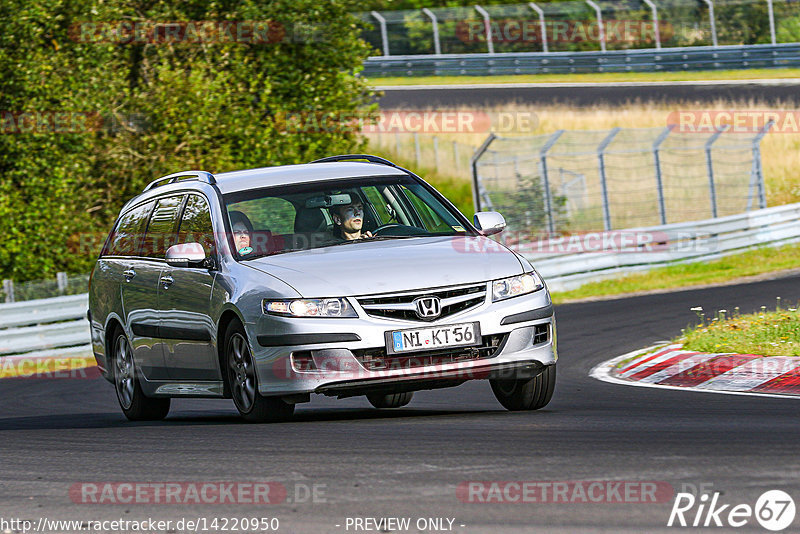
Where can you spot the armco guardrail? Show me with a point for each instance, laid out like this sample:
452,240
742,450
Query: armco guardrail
639,249
640,60
44,324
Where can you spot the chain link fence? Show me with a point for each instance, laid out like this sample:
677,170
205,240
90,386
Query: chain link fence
62,284
577,181
580,25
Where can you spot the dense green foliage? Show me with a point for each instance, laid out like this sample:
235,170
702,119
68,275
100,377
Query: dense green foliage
145,109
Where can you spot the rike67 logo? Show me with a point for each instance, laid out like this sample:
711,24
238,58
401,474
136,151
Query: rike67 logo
774,510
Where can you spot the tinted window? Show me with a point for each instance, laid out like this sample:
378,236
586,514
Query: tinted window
196,224
127,236
269,213
163,227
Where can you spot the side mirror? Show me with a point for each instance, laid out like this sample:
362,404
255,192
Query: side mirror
489,222
186,255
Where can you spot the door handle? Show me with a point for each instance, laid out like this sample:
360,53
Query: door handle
129,274
166,281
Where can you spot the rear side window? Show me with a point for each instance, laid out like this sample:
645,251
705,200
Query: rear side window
128,234
163,227
196,224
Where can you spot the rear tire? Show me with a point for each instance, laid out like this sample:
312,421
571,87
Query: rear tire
393,400
135,405
240,373
526,394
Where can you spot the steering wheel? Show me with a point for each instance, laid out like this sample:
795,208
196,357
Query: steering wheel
385,227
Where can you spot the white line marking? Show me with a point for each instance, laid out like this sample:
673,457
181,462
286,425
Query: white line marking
527,85
602,372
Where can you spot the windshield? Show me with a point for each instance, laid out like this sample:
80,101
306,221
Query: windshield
283,219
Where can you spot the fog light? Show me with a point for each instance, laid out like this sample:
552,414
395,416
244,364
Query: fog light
303,361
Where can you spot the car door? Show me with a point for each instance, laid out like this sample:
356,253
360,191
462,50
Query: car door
184,300
140,289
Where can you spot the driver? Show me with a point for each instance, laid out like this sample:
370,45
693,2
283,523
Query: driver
348,219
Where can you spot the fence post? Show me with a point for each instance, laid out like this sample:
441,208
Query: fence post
710,4
455,155
542,26
417,155
757,169
436,152
662,209
61,280
487,23
8,289
602,168
712,188
437,47
656,29
548,199
384,33
473,162
771,14
601,30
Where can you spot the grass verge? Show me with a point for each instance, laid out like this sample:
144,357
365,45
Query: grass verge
751,263
600,77
766,333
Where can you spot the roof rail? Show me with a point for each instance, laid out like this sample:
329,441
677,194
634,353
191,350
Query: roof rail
172,178
352,157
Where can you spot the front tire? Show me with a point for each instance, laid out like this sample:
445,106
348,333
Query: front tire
135,405
243,382
526,394
394,400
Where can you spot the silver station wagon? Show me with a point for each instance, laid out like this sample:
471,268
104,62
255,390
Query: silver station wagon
345,276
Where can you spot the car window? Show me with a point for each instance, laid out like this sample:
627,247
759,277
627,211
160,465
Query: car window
268,213
196,226
430,219
127,236
301,216
162,227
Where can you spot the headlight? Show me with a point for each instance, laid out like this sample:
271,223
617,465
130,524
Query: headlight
515,286
309,308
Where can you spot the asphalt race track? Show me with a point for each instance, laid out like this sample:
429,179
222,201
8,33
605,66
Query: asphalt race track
408,462
770,92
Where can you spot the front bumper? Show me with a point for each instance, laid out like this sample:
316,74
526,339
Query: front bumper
337,347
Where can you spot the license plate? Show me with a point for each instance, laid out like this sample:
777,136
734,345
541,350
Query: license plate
437,337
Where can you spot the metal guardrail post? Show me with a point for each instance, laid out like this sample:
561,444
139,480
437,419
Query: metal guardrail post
771,14
473,162
710,4
437,46
397,143
487,24
384,33
601,29
61,281
712,188
548,199
602,168
436,152
762,193
8,289
455,155
542,26
654,12
662,209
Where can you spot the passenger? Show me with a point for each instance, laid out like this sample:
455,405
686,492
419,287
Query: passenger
242,231
348,219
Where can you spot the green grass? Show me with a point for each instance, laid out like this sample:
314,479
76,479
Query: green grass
767,333
600,77
751,263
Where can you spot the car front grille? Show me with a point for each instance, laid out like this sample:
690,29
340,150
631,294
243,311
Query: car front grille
401,305
378,360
